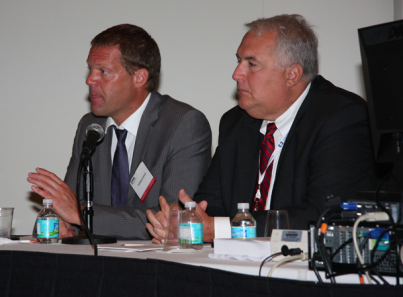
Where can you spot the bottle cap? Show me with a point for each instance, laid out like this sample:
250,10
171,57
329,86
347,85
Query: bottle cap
47,201
243,205
190,204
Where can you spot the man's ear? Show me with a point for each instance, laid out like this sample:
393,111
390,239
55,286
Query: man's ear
294,75
140,77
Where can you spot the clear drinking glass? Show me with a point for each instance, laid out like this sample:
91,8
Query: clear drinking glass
6,219
276,219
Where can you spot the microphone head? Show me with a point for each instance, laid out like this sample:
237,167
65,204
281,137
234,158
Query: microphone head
96,128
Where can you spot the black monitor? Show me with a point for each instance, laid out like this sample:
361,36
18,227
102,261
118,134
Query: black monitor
382,62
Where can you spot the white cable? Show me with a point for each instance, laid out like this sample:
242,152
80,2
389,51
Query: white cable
369,217
302,257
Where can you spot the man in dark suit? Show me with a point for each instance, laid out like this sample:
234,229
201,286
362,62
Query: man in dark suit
165,143
319,140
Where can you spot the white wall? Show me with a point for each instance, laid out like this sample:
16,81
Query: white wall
397,9
44,46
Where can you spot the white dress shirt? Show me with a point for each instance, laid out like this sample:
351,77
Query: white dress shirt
131,124
283,124
222,227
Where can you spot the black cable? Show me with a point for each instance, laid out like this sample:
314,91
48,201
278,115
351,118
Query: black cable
399,217
378,240
398,259
380,205
372,277
380,276
321,247
360,267
389,259
315,269
266,259
362,244
318,245
340,248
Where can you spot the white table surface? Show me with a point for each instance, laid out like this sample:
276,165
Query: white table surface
295,270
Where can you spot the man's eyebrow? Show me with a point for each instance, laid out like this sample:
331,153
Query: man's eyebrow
99,65
251,58
248,58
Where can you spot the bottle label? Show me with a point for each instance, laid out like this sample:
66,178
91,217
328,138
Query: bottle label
184,233
243,232
197,233
47,228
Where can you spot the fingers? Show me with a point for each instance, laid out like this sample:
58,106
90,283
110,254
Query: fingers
156,232
49,186
156,241
201,209
184,197
46,181
150,229
175,206
65,229
162,219
156,229
49,174
152,218
203,205
164,205
208,222
42,193
159,221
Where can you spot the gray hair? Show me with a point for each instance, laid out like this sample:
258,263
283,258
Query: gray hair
296,42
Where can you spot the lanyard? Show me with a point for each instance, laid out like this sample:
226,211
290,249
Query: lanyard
276,152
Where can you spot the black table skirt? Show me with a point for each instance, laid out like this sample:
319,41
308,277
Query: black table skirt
46,274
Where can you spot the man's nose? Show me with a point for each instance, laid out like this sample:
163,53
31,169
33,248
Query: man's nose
238,73
91,79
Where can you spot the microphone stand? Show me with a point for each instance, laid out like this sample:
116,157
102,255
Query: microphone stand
88,212
89,238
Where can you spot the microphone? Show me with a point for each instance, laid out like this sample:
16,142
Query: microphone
94,133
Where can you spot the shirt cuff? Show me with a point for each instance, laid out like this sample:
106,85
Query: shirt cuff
222,227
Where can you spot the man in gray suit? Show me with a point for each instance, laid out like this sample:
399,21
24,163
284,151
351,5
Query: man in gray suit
166,141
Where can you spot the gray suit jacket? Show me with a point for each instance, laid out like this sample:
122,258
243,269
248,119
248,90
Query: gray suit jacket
174,142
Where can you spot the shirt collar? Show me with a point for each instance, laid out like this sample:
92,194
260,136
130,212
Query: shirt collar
284,122
132,123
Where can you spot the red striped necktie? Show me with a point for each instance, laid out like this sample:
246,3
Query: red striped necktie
266,150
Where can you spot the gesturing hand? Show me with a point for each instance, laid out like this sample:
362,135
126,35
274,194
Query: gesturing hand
49,186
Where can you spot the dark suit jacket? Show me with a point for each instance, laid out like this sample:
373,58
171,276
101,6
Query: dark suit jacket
174,142
327,152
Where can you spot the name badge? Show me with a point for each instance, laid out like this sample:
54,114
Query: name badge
142,181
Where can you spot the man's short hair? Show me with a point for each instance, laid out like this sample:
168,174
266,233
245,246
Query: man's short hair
137,47
296,42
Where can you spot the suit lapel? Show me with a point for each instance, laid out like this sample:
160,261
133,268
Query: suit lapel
281,174
294,127
105,166
143,137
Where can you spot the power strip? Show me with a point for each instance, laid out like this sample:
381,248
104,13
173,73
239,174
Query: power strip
291,238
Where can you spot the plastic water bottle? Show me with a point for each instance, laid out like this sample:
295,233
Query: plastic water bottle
196,226
243,225
47,223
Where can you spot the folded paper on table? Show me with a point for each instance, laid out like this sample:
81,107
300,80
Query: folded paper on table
236,257
242,249
130,247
